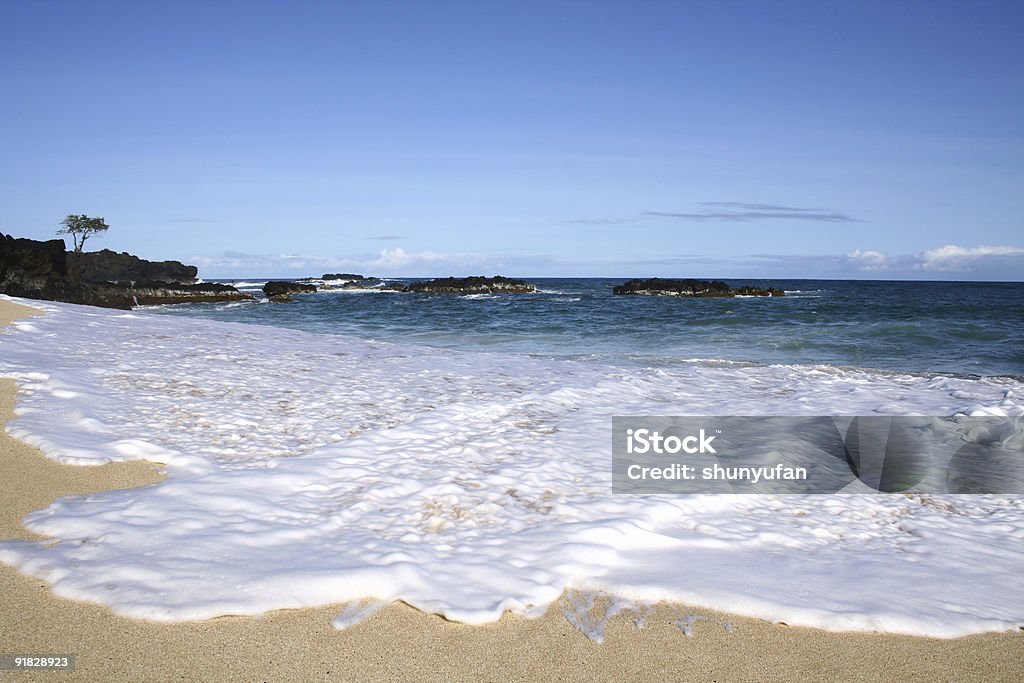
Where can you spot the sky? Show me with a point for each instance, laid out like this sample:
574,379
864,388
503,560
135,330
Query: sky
880,140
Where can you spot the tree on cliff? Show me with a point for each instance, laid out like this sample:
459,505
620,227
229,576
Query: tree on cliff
81,228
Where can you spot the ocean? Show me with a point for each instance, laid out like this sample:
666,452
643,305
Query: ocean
960,328
454,452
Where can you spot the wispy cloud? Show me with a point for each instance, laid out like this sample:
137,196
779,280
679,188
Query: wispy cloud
758,207
191,220
385,238
598,221
947,262
747,211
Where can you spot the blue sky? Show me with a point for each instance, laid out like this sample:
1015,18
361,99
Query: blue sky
705,139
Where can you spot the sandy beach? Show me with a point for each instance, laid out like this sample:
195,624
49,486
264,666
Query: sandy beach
401,643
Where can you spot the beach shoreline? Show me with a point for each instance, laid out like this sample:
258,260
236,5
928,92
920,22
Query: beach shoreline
401,643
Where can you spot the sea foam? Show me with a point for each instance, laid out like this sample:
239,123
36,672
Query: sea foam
308,469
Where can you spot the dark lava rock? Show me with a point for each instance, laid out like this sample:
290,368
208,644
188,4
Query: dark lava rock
282,291
693,288
109,266
658,287
365,283
29,265
41,270
358,284
376,284
342,276
476,284
153,293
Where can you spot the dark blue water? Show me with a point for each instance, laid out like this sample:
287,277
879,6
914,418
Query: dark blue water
939,327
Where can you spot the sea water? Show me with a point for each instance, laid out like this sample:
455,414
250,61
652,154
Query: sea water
971,328
454,452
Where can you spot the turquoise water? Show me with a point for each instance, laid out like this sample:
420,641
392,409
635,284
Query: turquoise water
927,327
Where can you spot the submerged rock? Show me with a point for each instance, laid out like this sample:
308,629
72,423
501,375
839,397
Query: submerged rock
473,285
692,288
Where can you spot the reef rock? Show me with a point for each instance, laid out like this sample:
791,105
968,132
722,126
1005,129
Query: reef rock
692,288
153,293
658,287
282,291
473,285
342,276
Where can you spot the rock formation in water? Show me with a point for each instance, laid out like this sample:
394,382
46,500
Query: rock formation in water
367,283
342,276
692,288
473,285
46,270
282,291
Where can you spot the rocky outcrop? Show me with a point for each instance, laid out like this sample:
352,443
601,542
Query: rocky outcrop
31,265
473,285
361,284
450,285
658,287
692,288
127,296
282,291
342,276
154,293
38,270
41,270
109,266
373,283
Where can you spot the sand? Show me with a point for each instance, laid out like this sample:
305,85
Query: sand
400,643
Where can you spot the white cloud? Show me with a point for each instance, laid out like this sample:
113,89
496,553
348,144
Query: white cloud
868,259
400,259
952,257
230,264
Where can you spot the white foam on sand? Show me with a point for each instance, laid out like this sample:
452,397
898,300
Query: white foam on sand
309,469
